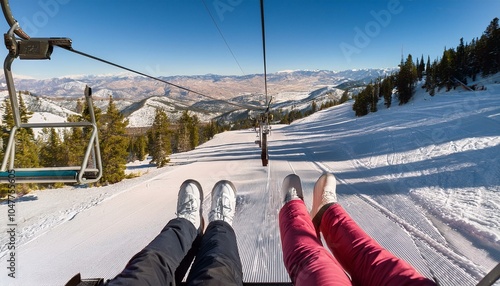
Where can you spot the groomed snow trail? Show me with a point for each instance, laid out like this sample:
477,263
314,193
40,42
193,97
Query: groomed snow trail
423,181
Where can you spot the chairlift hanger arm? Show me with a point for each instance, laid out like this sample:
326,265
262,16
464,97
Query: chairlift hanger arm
7,12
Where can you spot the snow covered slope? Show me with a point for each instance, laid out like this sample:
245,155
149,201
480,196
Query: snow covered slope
423,179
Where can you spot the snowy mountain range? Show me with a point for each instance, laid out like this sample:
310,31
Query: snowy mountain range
137,97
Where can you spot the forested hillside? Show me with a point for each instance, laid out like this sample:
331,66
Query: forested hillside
456,67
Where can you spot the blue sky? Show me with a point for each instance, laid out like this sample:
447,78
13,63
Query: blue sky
179,37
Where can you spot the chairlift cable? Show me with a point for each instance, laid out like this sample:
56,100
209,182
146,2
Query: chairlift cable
68,48
222,35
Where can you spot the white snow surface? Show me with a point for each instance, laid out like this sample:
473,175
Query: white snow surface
423,179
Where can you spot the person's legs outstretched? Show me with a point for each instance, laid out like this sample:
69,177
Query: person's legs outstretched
306,260
158,262
361,256
218,261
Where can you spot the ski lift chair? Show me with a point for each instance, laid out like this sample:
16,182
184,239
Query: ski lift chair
90,169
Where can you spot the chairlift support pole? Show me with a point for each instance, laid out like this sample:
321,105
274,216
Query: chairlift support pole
264,124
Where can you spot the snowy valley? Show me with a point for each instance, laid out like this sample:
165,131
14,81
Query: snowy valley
137,97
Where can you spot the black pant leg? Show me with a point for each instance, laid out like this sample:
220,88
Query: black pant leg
157,263
218,260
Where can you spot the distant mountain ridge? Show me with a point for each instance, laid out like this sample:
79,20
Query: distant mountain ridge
138,96
133,87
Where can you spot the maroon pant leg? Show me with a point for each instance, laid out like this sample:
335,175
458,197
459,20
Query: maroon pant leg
362,257
306,260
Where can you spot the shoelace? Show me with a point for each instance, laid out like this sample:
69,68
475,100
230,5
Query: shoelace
329,195
188,208
220,211
291,194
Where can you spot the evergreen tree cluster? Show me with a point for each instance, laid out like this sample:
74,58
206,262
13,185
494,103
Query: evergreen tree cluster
187,136
366,101
288,117
159,139
58,147
406,80
284,116
466,61
66,146
165,137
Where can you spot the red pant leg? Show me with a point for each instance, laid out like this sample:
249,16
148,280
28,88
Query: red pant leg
306,260
362,257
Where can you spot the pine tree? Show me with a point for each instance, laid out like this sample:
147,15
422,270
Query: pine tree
24,113
314,107
361,102
140,147
447,69
491,38
137,148
406,79
26,149
7,123
474,62
427,83
74,143
76,140
159,145
51,150
432,78
461,62
344,97
372,92
80,106
25,146
194,131
203,131
211,129
113,143
187,136
183,141
386,90
421,68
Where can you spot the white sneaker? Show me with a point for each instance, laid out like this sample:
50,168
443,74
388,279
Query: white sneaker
223,202
189,203
324,193
291,189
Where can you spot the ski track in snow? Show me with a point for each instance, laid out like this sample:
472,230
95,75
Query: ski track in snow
422,179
